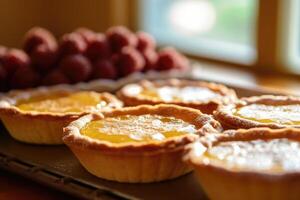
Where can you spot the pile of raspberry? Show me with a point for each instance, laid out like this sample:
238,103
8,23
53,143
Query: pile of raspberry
81,56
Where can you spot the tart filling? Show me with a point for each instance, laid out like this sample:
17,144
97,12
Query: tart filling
171,93
260,111
141,128
64,103
204,96
273,156
281,114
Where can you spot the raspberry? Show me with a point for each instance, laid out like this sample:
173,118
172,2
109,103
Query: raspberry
3,74
120,37
104,69
24,77
71,43
114,58
169,58
3,79
166,61
145,41
15,59
130,60
37,36
182,61
76,67
98,47
43,58
86,34
55,77
150,57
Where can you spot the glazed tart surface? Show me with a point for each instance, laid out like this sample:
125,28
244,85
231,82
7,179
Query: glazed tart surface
261,163
142,128
64,103
38,116
149,134
272,156
281,114
196,94
169,93
262,111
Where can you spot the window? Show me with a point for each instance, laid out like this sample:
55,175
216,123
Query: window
290,35
218,29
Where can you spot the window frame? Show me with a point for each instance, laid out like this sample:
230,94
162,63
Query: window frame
209,48
270,37
289,40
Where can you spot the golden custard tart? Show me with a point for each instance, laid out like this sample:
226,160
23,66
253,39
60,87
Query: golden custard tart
261,111
253,164
204,96
38,116
137,144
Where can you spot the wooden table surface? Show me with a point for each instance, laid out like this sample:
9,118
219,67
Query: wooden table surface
13,187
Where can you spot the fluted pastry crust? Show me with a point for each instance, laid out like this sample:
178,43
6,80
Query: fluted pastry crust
36,127
216,178
163,158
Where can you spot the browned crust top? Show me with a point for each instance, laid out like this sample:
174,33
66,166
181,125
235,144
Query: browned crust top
204,124
226,117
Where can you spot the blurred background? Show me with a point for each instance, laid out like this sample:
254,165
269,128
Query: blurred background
256,35
238,42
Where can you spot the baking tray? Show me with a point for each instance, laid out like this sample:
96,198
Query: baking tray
55,166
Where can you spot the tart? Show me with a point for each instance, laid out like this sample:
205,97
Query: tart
261,111
38,116
137,144
258,163
204,96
